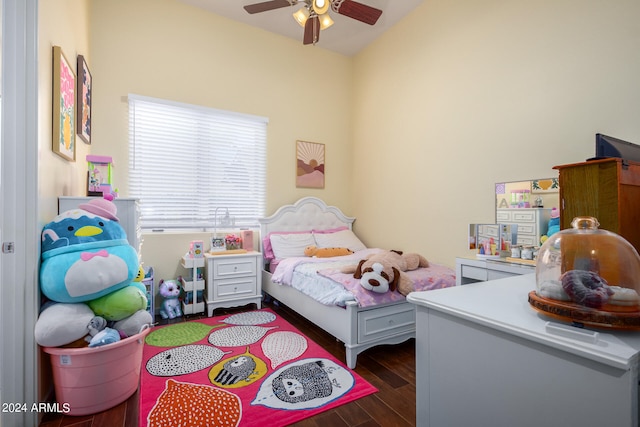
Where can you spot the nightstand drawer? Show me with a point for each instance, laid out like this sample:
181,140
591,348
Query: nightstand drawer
235,288
226,268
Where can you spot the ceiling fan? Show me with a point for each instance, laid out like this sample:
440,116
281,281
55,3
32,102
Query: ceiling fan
314,16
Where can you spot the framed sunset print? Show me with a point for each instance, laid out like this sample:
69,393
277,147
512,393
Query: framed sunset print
64,100
83,96
309,164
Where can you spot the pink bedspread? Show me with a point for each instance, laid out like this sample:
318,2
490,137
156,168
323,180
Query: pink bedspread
425,279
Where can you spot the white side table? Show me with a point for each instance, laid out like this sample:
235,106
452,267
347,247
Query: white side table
233,280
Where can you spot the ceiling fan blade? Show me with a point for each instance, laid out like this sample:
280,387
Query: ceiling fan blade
268,5
353,9
311,30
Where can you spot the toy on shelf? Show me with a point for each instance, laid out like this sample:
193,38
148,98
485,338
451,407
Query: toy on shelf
99,181
196,249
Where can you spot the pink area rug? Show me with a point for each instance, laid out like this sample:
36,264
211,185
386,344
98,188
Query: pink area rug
245,369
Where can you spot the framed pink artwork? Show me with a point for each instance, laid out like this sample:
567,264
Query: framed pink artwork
309,164
64,85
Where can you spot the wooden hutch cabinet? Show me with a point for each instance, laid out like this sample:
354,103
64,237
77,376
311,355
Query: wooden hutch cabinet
607,189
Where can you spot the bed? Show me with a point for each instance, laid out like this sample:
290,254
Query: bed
359,326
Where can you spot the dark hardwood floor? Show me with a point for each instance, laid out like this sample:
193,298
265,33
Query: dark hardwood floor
389,368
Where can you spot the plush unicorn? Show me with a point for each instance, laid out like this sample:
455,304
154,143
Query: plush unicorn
170,292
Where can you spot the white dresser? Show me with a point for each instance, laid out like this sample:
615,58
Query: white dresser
532,223
233,280
484,357
472,270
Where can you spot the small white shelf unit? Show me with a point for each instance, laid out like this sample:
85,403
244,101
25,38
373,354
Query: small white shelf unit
193,285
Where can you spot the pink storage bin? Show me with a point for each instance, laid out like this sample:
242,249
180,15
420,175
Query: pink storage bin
92,380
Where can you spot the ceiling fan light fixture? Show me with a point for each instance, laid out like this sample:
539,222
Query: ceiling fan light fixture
325,21
301,16
320,6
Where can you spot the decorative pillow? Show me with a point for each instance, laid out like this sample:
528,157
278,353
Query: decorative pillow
291,245
330,230
340,239
119,304
62,323
266,242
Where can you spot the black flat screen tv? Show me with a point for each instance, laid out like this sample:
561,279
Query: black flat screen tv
608,146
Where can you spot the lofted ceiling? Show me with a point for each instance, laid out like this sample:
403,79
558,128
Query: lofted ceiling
347,36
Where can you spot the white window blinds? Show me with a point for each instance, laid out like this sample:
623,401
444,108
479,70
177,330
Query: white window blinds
186,160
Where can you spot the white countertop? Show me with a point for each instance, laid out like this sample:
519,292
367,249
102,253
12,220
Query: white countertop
503,305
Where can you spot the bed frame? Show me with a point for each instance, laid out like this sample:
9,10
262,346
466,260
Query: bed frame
359,328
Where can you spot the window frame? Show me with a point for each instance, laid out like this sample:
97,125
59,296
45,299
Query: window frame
234,143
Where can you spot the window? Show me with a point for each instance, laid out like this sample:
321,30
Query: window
187,161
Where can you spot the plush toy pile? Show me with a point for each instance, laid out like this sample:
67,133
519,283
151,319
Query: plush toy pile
92,279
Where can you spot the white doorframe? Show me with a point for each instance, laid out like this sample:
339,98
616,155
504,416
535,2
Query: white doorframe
19,210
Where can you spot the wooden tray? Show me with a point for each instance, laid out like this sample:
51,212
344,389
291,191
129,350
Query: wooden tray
228,252
521,261
572,312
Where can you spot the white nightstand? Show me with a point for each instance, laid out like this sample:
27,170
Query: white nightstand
471,270
233,280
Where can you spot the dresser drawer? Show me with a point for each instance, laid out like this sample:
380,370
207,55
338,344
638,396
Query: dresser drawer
488,230
523,216
226,268
235,288
393,319
471,272
526,229
503,216
528,240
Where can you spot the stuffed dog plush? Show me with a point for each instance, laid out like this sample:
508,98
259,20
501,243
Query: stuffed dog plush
384,272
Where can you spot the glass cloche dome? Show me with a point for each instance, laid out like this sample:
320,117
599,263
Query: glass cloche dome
588,276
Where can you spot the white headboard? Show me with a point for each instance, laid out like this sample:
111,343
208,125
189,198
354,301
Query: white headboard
307,213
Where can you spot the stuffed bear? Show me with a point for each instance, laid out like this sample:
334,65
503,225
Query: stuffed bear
384,272
326,252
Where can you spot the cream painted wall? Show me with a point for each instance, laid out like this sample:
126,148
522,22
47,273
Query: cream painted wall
476,95
63,23
461,95
165,49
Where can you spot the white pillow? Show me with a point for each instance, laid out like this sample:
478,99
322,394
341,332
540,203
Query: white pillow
290,245
339,239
